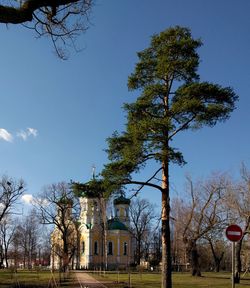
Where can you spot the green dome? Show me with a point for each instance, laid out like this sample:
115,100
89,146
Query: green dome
115,224
121,200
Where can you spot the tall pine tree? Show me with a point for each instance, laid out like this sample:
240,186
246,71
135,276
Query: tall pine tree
171,100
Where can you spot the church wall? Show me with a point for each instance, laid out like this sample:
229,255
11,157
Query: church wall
91,234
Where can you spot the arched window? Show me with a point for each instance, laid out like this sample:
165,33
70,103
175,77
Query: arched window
110,248
125,248
83,247
96,248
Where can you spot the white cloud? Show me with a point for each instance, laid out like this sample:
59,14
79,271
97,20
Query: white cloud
5,135
22,134
27,133
40,202
27,198
32,131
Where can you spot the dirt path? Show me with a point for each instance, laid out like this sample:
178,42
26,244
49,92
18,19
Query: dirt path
85,280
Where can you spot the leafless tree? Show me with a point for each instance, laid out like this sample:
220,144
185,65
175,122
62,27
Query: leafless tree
155,249
7,231
56,207
238,203
61,20
10,192
215,239
27,237
179,255
44,246
202,214
142,215
30,242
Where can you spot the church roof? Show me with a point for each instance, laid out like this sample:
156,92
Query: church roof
116,224
121,200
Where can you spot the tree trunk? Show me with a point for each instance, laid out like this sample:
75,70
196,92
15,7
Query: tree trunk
238,251
238,261
65,257
1,257
192,252
165,217
217,259
138,252
78,236
217,262
195,261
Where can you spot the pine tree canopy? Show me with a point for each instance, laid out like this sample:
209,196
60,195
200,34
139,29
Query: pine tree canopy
172,99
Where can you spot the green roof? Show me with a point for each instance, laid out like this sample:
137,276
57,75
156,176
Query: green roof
115,224
121,200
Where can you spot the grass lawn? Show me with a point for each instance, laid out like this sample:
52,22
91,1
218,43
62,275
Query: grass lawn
41,279
31,278
180,280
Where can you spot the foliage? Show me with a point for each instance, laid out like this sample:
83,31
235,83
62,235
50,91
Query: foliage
92,189
171,100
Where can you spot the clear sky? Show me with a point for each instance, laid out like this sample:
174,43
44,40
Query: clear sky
55,115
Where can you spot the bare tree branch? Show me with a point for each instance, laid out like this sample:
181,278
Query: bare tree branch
10,191
61,20
147,183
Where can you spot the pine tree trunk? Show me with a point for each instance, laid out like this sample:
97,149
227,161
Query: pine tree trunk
165,217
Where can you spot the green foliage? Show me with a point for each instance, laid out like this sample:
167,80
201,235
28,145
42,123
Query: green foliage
209,103
171,56
92,189
171,100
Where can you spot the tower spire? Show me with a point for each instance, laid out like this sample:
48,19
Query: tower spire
93,171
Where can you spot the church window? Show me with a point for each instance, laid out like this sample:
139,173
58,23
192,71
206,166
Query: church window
96,248
125,248
110,248
83,247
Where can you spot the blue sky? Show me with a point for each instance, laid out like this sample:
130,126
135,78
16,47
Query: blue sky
59,113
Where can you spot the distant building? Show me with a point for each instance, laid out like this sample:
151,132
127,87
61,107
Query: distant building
98,243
